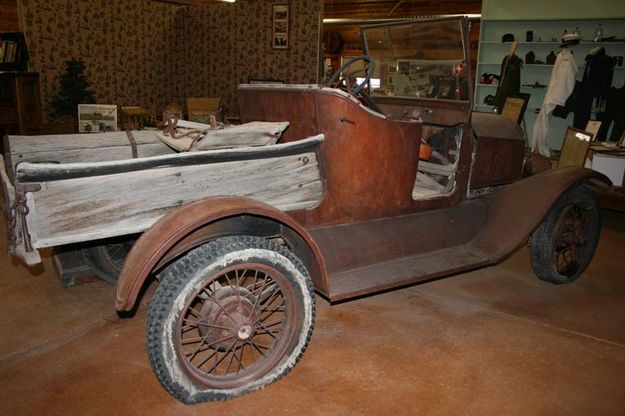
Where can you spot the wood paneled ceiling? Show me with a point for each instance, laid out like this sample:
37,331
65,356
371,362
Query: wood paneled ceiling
345,9
398,8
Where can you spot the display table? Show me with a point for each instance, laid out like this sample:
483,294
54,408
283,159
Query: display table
610,162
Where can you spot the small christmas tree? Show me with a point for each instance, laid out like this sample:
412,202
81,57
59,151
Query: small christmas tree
74,90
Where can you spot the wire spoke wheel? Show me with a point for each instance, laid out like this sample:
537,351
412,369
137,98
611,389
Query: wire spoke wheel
107,260
570,240
229,317
565,242
236,326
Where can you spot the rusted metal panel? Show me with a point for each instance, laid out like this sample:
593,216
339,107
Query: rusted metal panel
403,271
431,111
424,246
157,241
499,152
516,210
497,162
370,164
281,104
370,161
350,246
494,125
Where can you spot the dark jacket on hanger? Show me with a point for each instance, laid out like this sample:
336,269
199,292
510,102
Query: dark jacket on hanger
595,84
615,103
510,80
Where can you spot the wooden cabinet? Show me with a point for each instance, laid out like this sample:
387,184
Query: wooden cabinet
20,103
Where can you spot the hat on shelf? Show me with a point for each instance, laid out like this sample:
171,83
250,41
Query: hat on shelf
551,58
570,39
508,37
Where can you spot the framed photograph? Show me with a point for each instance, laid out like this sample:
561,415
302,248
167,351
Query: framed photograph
593,127
575,147
97,118
280,30
514,107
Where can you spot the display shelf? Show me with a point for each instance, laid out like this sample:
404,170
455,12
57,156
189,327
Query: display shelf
549,43
616,68
492,51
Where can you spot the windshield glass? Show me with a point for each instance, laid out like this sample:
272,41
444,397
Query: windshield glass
418,60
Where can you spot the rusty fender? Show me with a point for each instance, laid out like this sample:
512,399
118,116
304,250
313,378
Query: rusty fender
514,212
201,221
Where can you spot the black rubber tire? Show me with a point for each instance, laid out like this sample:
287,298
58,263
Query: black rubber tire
553,231
106,260
179,285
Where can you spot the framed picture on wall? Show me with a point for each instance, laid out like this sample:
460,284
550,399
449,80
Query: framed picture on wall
97,118
280,30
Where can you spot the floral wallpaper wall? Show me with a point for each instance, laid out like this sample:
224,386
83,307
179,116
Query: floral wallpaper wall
124,44
149,53
227,44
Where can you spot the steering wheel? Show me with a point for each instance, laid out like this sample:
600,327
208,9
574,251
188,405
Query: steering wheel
357,90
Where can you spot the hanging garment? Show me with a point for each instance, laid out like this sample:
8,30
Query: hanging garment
569,105
615,103
560,87
510,81
594,86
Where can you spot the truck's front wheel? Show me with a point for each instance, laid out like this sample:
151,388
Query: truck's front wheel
229,317
564,243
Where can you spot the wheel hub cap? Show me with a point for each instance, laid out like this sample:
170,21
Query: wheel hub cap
228,316
245,331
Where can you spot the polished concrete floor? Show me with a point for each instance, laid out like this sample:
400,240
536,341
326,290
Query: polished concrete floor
492,342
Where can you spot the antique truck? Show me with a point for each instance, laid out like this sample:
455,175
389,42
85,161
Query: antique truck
371,187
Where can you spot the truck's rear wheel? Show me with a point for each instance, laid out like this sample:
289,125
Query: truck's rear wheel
229,317
564,243
106,260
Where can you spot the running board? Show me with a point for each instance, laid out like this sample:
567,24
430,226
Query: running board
403,271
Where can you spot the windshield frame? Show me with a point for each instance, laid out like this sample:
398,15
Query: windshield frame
464,25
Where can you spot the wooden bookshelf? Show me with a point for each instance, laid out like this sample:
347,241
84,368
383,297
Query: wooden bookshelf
13,52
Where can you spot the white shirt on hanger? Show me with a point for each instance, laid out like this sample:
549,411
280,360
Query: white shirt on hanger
560,88
562,79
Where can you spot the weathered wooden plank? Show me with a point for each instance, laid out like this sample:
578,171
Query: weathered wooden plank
40,172
82,209
91,155
55,142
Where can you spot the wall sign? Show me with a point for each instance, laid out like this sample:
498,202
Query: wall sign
280,31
